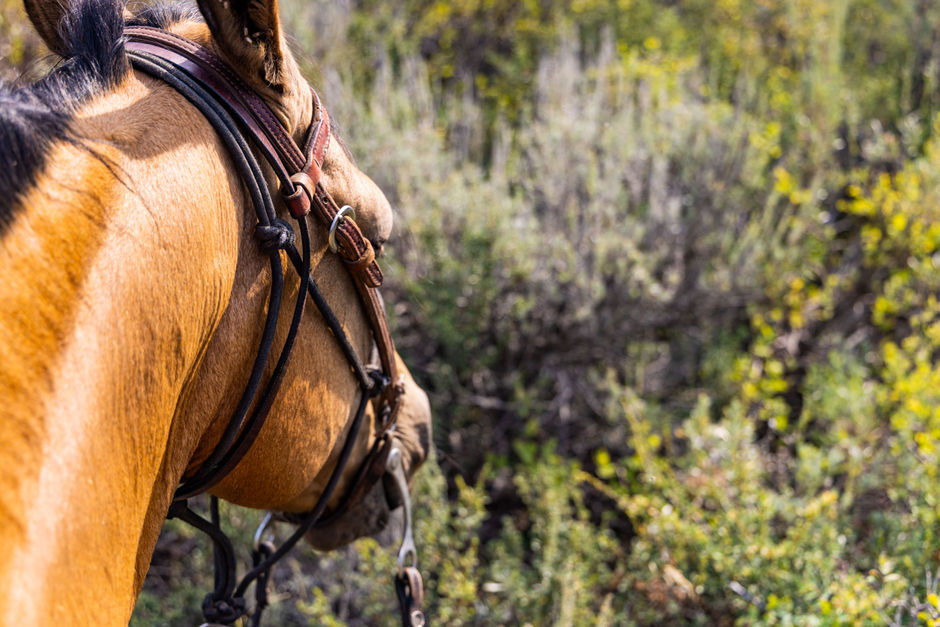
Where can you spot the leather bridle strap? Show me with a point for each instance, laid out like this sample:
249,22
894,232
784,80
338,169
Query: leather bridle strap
298,171
302,191
232,108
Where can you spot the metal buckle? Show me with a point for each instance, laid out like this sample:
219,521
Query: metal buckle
397,471
340,216
408,583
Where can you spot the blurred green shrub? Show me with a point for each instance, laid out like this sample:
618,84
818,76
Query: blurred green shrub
733,234
809,65
669,272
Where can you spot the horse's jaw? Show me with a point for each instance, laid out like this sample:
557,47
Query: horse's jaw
366,518
371,514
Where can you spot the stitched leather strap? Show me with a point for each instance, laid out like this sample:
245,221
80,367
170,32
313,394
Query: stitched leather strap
274,141
299,171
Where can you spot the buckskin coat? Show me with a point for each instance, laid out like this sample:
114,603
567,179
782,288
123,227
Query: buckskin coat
132,296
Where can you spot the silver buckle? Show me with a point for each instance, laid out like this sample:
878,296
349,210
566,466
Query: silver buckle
340,216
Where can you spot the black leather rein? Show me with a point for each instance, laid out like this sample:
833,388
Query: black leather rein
234,111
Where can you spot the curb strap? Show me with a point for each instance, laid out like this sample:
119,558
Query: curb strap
408,582
410,591
261,552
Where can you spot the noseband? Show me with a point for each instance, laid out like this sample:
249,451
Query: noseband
236,112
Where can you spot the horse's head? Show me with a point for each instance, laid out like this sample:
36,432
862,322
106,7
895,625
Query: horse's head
285,468
161,306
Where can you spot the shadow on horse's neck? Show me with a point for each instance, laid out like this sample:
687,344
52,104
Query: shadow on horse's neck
129,314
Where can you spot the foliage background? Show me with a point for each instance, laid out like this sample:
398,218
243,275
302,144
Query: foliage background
669,272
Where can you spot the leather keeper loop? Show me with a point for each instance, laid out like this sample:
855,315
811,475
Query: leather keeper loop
303,180
298,203
372,276
364,260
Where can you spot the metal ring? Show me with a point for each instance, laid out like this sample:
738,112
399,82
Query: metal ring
341,215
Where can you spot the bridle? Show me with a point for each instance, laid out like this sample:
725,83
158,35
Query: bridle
236,111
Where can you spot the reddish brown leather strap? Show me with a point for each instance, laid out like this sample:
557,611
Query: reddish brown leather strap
298,170
288,161
386,347
216,75
233,110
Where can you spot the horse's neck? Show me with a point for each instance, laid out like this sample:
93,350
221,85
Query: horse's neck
109,296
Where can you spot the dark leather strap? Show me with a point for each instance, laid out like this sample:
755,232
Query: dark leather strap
299,172
231,107
218,76
294,167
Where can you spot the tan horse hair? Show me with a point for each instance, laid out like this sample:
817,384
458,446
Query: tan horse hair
129,312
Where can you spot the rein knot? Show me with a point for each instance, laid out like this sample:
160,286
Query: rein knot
223,611
275,236
378,382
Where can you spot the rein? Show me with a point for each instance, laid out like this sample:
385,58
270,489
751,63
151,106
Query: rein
235,111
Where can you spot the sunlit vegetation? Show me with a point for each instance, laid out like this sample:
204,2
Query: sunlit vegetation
671,275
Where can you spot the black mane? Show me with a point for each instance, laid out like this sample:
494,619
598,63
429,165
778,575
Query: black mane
34,117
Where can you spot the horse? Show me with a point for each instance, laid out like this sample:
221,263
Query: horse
132,303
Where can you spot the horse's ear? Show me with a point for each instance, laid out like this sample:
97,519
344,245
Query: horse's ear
46,15
248,32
